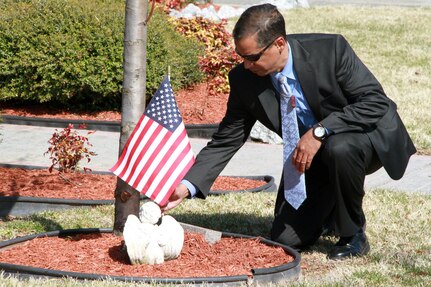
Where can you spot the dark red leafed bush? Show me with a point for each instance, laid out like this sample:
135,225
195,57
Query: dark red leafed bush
174,4
67,148
219,56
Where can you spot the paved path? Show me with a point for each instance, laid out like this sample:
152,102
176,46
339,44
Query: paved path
25,145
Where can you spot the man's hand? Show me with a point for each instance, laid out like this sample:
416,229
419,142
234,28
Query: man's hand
305,151
176,197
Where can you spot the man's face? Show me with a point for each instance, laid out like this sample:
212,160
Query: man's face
270,56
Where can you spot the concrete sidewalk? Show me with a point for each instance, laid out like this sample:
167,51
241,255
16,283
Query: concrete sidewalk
25,145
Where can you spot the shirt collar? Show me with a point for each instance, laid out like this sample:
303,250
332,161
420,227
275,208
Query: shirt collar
288,69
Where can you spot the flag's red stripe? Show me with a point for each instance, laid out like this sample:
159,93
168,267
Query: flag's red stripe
169,158
131,144
132,153
181,169
174,165
139,173
138,147
163,200
161,163
163,188
153,187
151,141
164,145
126,147
162,184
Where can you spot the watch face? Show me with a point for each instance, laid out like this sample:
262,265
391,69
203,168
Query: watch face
319,132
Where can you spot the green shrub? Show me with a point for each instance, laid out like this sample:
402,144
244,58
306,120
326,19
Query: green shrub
166,47
71,52
60,50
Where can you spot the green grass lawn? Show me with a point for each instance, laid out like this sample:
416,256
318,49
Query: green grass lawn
396,46
398,227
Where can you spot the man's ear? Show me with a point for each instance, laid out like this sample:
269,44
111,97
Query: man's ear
280,43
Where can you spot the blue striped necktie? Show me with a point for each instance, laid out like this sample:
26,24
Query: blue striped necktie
294,181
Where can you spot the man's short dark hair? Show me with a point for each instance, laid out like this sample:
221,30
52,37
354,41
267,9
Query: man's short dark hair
263,20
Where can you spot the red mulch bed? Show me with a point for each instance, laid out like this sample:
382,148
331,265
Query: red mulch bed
195,104
41,183
103,254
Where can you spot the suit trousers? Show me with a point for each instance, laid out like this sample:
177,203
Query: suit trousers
335,190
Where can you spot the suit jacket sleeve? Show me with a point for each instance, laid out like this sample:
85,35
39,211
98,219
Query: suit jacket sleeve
232,133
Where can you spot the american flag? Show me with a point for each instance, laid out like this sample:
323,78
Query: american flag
158,152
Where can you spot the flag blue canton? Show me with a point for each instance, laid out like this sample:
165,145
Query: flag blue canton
163,108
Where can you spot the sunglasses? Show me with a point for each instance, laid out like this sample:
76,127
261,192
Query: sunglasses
255,57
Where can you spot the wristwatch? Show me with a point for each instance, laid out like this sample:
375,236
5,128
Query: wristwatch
319,132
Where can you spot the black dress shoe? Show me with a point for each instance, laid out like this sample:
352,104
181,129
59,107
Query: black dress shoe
353,246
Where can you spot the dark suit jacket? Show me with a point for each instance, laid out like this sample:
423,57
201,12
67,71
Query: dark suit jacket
342,93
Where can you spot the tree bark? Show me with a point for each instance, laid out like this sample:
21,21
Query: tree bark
133,99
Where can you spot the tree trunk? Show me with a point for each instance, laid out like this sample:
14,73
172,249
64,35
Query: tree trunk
133,99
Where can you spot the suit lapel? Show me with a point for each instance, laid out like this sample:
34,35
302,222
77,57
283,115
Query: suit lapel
271,103
306,76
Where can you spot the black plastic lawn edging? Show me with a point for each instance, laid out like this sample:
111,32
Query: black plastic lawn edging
269,186
109,126
24,205
280,273
193,131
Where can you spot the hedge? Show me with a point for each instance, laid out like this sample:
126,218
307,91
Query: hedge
71,52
